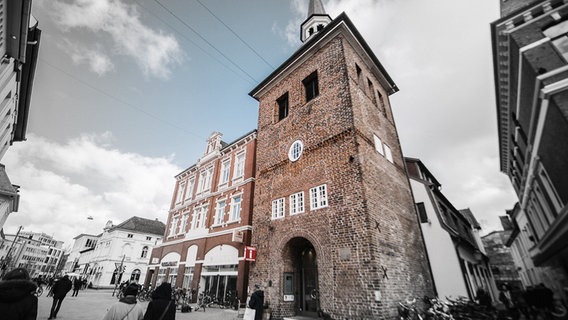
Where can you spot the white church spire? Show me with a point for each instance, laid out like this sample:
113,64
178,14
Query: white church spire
316,21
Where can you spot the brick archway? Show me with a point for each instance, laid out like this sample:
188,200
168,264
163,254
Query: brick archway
301,276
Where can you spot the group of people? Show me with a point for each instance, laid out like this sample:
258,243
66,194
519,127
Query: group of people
17,298
533,303
18,301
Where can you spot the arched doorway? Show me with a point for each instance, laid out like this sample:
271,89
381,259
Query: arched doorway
302,258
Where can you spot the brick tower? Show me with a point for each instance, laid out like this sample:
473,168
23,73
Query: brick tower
334,220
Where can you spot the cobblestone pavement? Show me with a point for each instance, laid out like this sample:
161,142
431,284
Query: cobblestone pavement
92,305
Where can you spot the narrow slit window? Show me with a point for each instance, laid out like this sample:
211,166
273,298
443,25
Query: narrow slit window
282,106
311,86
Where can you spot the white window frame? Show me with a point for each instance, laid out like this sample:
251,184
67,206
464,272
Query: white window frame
181,190
173,226
183,224
297,203
378,145
225,173
195,217
203,216
205,178
240,160
318,197
220,212
236,207
144,253
296,150
189,189
388,153
278,207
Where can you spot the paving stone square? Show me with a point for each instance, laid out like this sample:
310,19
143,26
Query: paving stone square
92,305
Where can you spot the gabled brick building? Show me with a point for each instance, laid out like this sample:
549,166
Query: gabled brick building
209,222
334,219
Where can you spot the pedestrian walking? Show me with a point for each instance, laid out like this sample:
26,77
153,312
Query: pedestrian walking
77,284
256,302
60,289
127,307
161,307
17,301
505,297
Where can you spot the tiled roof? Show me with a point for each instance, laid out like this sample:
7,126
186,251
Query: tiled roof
142,225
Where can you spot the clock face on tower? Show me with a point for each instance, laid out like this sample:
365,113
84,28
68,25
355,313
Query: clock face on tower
295,151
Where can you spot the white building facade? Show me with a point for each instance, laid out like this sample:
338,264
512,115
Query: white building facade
457,257
122,252
83,242
38,252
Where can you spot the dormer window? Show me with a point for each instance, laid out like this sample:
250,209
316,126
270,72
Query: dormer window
311,31
320,27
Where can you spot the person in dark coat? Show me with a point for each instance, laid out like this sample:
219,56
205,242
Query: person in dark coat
256,302
17,301
60,289
483,298
77,284
161,299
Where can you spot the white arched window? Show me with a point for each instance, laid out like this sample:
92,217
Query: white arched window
144,252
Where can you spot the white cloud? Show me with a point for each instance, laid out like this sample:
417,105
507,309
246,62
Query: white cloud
154,51
62,184
96,59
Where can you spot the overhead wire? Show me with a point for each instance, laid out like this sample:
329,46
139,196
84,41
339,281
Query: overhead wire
100,91
205,40
236,35
195,44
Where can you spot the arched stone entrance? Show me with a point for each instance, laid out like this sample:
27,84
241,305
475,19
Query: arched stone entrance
302,280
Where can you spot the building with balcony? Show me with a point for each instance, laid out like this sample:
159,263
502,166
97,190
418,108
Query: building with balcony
457,257
209,222
530,52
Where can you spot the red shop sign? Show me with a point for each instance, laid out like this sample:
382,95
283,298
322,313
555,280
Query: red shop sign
250,253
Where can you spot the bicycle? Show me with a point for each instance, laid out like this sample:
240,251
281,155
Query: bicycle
201,302
144,294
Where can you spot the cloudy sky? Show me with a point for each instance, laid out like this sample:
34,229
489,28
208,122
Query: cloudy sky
126,93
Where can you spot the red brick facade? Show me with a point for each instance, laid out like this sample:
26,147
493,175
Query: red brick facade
362,251
209,233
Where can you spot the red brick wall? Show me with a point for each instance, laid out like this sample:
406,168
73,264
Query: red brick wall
217,235
370,216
